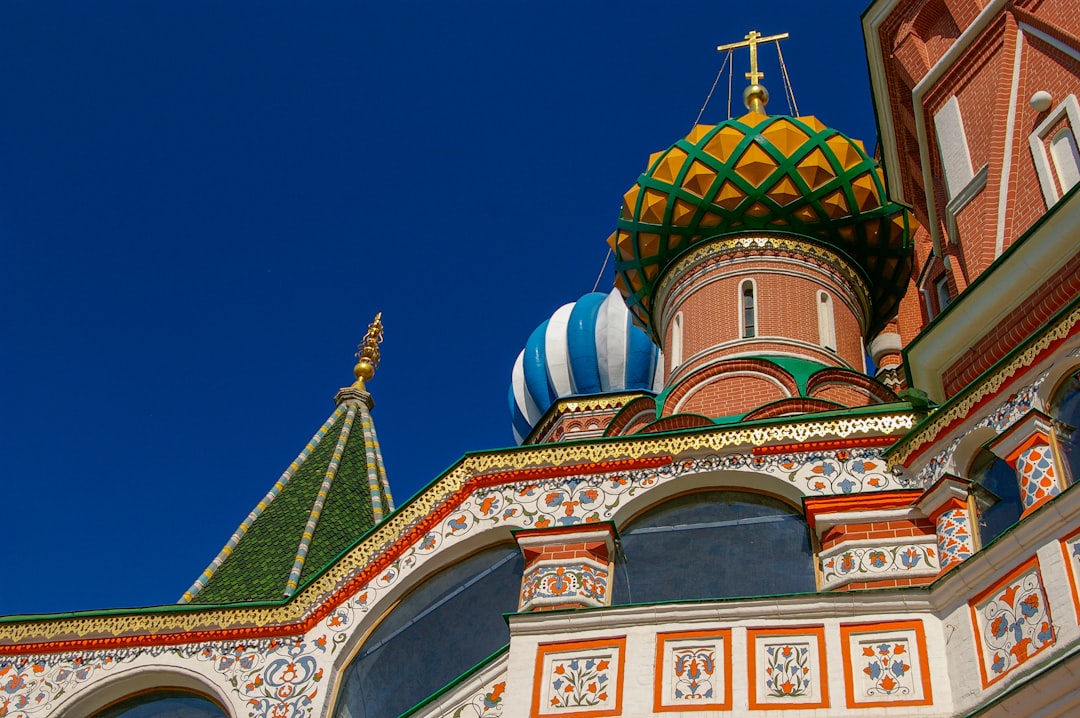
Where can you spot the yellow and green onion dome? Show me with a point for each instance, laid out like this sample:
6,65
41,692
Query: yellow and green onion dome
762,173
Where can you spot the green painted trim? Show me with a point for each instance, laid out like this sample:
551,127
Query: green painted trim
141,611
457,681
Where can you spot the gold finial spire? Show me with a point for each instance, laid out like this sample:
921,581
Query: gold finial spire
367,354
755,96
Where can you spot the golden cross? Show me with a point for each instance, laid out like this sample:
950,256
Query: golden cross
752,40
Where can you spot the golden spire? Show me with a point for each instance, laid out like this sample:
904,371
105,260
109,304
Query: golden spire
755,96
367,354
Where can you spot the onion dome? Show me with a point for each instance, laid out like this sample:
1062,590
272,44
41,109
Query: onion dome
762,172
590,346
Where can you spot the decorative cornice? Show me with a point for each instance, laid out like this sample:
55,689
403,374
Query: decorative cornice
385,543
963,405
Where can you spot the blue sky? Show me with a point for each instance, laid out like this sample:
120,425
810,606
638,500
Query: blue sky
203,204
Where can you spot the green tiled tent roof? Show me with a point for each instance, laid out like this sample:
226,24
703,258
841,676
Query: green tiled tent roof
333,492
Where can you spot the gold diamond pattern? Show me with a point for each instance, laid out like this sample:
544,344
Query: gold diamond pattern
784,191
836,205
629,205
652,207
698,132
668,168
624,245
785,136
865,190
698,179
815,169
755,165
729,195
757,209
844,151
724,142
648,243
683,213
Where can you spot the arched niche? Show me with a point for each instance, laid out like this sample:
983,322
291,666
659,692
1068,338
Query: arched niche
450,621
143,682
997,494
722,539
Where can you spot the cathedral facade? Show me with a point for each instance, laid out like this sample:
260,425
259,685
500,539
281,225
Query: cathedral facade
813,455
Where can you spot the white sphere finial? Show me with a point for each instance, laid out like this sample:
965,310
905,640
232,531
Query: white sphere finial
1041,101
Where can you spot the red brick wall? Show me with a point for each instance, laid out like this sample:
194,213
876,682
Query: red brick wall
893,528
786,300
732,394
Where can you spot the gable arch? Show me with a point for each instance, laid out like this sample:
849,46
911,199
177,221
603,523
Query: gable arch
142,679
414,641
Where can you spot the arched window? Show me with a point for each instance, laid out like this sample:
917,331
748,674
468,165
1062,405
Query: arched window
714,544
997,495
163,704
676,341
1066,158
440,630
748,317
826,321
1065,408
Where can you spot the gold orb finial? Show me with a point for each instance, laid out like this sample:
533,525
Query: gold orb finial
367,353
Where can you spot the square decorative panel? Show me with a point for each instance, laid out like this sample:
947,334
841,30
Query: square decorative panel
1012,622
693,671
1070,547
787,668
885,664
579,678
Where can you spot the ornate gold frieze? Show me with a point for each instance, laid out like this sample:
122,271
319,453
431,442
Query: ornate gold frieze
320,596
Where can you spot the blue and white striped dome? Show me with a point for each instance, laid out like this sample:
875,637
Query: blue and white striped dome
587,347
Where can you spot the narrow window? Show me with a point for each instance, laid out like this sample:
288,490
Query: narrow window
826,321
676,341
1066,158
1054,149
749,312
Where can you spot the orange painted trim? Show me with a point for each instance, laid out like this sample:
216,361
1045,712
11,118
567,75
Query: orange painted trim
794,632
817,505
658,685
545,649
825,445
1007,579
950,504
1070,571
847,631
1037,438
346,591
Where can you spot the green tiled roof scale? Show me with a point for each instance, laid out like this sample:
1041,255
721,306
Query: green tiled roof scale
333,492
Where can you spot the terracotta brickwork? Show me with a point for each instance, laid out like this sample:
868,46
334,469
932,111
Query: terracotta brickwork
991,81
1032,314
890,529
786,306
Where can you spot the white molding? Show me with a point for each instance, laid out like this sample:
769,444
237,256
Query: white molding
962,199
841,518
1010,130
1069,107
988,303
967,37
